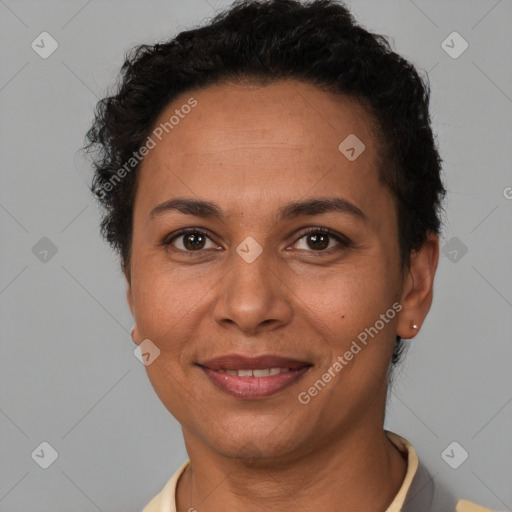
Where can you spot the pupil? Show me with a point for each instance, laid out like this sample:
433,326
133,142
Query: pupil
194,241
321,241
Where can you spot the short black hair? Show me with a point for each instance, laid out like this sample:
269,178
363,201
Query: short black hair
264,41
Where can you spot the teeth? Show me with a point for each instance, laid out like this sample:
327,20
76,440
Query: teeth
260,372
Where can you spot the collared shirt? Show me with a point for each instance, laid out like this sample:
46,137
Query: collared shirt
416,494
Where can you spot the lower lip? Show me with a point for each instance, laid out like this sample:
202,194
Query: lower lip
253,387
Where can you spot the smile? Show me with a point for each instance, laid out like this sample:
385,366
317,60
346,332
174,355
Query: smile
253,378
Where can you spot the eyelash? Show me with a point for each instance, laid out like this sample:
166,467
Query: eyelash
343,241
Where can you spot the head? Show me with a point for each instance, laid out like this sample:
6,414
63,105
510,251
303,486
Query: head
272,186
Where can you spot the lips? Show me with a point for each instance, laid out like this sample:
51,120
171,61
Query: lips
253,377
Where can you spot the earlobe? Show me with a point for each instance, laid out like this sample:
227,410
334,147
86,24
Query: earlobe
134,334
417,290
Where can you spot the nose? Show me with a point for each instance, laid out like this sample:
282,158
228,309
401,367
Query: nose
253,296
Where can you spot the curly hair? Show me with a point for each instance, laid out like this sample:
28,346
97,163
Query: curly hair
264,41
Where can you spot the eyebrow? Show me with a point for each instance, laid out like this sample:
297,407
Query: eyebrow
310,207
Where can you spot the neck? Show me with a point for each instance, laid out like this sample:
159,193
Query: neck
360,470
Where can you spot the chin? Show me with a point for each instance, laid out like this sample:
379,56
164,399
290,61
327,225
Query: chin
261,441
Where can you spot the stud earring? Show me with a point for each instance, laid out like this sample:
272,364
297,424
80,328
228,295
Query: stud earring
414,326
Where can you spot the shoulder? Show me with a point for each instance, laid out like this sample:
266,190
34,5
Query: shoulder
469,506
165,500
421,492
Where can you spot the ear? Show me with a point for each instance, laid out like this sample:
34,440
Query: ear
417,290
129,299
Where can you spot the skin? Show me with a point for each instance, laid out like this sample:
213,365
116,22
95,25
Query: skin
251,150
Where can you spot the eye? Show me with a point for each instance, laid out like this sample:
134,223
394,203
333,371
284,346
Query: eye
321,240
316,239
190,240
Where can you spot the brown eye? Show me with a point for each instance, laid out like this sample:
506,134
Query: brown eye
192,240
322,240
317,241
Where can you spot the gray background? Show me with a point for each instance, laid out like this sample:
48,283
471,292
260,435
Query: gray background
68,373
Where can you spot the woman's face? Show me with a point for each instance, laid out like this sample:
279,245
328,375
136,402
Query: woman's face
248,280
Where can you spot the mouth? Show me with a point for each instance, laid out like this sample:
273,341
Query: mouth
253,377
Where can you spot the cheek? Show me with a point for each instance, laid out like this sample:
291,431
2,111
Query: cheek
166,379
344,311
165,297
350,295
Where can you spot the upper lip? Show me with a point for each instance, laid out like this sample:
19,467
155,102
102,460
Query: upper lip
238,362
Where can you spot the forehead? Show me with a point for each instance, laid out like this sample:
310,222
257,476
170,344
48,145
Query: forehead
246,141
285,113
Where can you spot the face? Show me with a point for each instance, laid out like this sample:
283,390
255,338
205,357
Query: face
277,251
